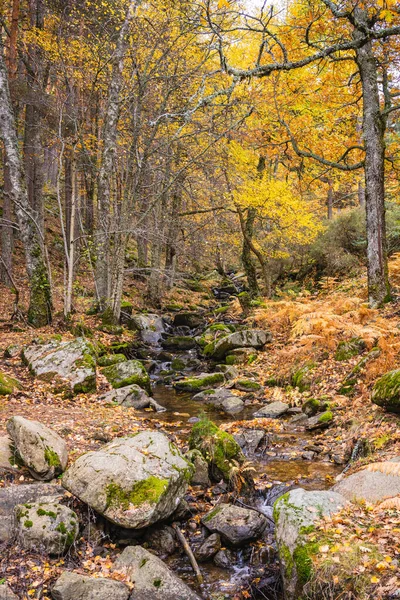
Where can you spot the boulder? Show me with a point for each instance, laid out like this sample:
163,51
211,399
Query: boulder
71,365
11,496
213,333
133,481
272,411
219,448
12,351
150,327
224,559
132,396
386,391
151,577
6,454
250,439
371,485
200,475
73,586
46,526
250,338
320,421
179,342
111,359
161,539
8,384
42,450
127,373
209,547
295,514
247,385
204,381
235,524
6,593
221,398
241,356
229,371
188,319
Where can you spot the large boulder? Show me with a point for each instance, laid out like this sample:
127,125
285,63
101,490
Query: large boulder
200,474
6,453
151,577
221,398
13,495
74,586
295,514
272,411
133,481
46,526
386,391
218,447
42,450
249,338
189,319
8,384
235,524
150,327
372,484
204,381
132,396
70,365
127,373
212,333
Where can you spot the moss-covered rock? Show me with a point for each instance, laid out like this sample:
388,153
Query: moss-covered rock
126,373
218,447
179,342
302,377
200,382
386,391
247,385
8,384
295,514
178,364
348,349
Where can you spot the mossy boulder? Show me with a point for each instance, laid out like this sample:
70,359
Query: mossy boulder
302,378
213,333
8,384
249,338
295,514
39,448
247,385
71,365
127,373
111,359
386,391
347,349
312,406
219,448
199,383
179,342
241,356
133,481
320,421
47,527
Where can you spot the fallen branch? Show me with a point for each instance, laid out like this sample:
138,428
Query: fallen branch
189,553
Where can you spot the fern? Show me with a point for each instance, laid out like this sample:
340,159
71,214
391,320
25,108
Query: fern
388,468
390,503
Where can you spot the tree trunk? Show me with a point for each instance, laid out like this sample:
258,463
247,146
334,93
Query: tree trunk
247,230
106,171
373,134
40,305
329,202
7,237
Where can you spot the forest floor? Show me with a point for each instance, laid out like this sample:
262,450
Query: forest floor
307,329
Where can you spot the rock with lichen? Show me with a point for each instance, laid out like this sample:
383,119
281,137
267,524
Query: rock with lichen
236,525
295,514
75,586
39,448
47,527
8,384
69,365
133,481
248,338
200,382
151,577
127,373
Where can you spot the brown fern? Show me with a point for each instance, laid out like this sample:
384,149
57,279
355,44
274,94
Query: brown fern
390,503
388,468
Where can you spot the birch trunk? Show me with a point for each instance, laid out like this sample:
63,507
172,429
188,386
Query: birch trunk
40,305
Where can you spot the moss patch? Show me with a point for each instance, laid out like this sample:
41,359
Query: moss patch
386,391
52,458
8,384
147,491
111,359
197,384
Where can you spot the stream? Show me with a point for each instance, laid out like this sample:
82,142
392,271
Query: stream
278,465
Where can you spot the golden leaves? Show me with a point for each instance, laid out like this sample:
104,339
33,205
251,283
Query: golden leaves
390,503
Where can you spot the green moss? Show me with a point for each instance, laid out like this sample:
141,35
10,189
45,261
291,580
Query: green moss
28,524
222,309
110,359
87,361
211,515
8,384
147,491
326,417
196,384
247,384
301,378
231,360
127,373
48,513
157,583
52,458
386,391
311,407
303,562
178,364
181,342
346,350
61,528
219,448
